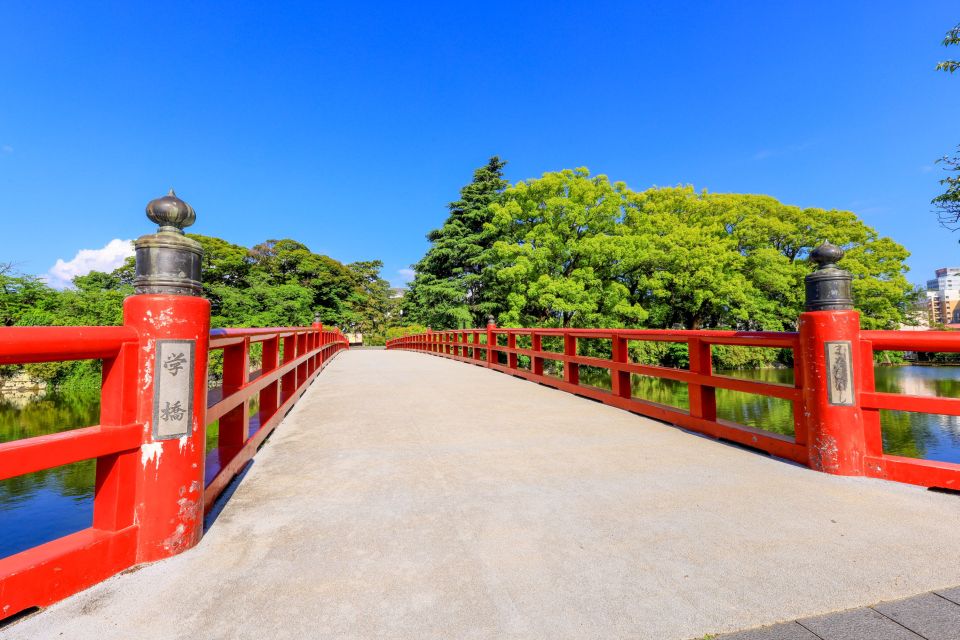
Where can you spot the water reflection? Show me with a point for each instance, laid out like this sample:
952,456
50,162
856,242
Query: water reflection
43,506
915,435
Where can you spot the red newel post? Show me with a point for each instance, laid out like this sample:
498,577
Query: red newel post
174,327
830,341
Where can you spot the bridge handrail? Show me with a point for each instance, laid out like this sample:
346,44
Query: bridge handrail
50,571
305,351
482,347
470,345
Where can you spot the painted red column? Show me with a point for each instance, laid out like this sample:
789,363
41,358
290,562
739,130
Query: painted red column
830,356
173,324
834,422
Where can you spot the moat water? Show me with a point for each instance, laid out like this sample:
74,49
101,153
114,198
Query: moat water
43,506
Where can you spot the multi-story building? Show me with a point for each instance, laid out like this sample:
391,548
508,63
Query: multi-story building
943,296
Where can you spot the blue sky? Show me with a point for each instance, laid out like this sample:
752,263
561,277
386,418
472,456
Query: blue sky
349,126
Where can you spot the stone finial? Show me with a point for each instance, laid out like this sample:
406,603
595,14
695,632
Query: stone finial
829,288
491,319
168,262
171,213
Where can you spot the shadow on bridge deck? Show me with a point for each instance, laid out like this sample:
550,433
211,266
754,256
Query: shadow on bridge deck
414,497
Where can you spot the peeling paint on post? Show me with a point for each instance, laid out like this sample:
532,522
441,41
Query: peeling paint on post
830,341
174,329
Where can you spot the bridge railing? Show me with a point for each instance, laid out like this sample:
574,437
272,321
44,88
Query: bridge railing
154,480
482,347
123,445
860,434
929,473
836,408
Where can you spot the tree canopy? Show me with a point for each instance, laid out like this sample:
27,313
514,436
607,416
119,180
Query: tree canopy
571,249
275,283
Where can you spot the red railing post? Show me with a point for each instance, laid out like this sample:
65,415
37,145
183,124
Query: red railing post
829,335
703,399
317,361
288,381
269,396
491,340
619,380
536,345
235,424
512,356
117,474
571,370
173,324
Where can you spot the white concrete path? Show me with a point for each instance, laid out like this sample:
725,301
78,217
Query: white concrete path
407,496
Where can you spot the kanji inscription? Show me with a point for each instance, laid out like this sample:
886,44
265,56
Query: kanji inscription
173,389
839,373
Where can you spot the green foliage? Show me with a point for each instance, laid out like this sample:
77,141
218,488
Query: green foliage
952,38
276,283
555,262
948,202
449,289
574,250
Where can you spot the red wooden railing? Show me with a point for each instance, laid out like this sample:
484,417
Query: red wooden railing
483,346
48,572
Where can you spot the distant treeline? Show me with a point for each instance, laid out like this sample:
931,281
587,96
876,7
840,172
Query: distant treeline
275,283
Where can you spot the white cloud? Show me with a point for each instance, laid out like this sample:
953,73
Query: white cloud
106,259
406,274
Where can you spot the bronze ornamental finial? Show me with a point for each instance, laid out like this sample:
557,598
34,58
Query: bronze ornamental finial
171,213
829,288
168,262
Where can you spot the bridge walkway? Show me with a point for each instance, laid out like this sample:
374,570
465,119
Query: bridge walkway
408,496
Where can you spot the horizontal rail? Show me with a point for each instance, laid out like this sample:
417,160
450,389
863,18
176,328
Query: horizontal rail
22,345
30,455
935,341
220,338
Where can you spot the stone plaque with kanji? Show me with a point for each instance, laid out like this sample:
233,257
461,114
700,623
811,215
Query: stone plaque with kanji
173,389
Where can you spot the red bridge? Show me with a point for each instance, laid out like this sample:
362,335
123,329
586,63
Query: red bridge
412,497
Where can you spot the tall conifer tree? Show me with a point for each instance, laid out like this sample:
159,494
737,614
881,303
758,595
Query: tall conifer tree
448,290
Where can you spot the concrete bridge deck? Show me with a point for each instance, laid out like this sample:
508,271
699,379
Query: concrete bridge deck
408,496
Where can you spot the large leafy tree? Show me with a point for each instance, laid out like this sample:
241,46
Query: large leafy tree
449,287
555,261
578,250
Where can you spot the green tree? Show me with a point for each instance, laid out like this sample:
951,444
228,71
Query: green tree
555,258
449,288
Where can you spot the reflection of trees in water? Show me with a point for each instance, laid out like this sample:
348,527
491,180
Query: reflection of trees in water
770,414
915,435
51,414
